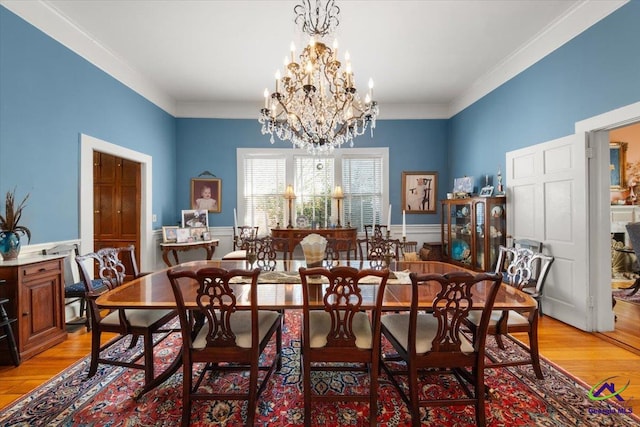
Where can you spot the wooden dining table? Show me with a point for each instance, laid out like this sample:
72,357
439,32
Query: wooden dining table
281,290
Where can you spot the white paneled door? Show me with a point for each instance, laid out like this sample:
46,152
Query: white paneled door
547,201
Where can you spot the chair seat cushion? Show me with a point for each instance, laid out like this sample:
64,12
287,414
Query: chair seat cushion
241,255
139,318
515,318
78,289
320,325
427,327
241,327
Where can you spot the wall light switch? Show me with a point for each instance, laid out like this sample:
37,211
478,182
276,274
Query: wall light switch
154,217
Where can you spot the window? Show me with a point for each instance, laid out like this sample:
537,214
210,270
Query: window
263,175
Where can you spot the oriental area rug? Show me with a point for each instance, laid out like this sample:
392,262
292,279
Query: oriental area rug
517,398
625,295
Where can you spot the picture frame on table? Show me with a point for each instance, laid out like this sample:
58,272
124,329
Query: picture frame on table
419,192
183,235
206,236
486,191
206,194
169,233
197,232
195,218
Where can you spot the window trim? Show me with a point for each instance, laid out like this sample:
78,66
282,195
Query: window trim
289,154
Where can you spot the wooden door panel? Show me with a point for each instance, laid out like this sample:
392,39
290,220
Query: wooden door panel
117,188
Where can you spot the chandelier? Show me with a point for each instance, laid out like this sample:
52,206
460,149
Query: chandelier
315,104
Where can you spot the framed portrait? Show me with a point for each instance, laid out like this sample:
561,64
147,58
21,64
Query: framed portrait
617,162
419,192
183,235
205,194
169,234
195,218
486,191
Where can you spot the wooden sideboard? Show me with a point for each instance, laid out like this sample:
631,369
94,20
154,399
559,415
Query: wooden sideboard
35,289
295,235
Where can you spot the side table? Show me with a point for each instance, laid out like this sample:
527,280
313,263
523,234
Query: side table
174,248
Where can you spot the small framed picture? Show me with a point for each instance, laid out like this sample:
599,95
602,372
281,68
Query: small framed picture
206,236
169,233
205,194
183,235
486,191
195,218
197,232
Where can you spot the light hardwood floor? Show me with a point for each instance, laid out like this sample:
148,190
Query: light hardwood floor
589,356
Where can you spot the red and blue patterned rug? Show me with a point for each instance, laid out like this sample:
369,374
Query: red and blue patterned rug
517,397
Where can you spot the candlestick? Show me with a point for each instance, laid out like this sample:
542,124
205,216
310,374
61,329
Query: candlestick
235,219
389,218
404,225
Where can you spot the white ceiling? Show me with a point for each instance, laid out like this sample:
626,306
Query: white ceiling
428,59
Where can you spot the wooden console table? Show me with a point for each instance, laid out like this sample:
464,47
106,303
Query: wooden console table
295,235
174,248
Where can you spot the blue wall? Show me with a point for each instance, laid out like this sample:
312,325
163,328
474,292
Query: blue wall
596,72
48,96
210,145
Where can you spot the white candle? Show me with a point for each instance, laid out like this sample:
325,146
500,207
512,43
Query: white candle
326,212
389,218
235,220
361,214
404,225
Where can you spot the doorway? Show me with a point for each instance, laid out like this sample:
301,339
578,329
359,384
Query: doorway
89,145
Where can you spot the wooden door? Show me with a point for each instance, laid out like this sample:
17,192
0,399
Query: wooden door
116,196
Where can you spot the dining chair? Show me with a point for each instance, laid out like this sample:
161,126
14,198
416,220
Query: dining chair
378,247
526,271
108,264
6,331
224,338
268,250
241,236
633,230
338,335
74,291
428,341
337,249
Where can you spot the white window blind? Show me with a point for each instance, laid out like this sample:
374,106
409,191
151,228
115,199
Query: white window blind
264,178
362,183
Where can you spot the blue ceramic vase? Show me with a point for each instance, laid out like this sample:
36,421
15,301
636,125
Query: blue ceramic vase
9,245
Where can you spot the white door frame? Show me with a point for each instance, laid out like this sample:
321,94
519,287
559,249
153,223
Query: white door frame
599,239
88,145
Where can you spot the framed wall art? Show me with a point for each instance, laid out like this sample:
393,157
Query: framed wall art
617,164
206,194
419,192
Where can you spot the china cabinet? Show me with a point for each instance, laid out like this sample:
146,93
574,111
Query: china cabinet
472,230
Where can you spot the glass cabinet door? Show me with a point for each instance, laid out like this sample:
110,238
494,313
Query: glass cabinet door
497,230
461,223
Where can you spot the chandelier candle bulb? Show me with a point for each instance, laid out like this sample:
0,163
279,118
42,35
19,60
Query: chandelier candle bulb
266,98
277,81
235,219
389,218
